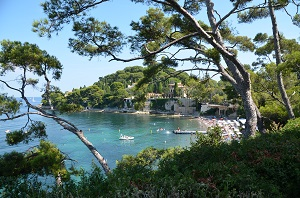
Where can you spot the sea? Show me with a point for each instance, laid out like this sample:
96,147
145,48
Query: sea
103,130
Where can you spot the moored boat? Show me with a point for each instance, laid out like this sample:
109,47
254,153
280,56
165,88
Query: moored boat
126,137
178,131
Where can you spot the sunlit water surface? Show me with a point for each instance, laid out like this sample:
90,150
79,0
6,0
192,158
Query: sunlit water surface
103,130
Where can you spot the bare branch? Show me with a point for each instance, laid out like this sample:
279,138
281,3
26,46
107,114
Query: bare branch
262,5
161,2
151,53
288,13
18,116
85,7
272,94
10,87
227,15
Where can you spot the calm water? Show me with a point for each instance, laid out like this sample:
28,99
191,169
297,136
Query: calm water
104,129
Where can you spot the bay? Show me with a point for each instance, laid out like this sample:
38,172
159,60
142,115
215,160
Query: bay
103,130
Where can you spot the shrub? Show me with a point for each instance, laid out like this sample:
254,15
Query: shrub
293,126
274,113
267,165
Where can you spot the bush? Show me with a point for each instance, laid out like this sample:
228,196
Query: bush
293,126
274,113
265,166
158,104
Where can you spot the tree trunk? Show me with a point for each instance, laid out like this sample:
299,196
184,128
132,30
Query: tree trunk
72,128
240,78
84,140
260,122
94,151
251,115
277,48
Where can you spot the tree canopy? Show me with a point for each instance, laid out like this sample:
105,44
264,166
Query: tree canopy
167,31
28,60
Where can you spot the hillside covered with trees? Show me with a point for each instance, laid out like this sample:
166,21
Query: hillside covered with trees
132,82
111,90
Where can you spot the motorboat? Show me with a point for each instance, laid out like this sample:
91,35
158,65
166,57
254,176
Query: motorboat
126,137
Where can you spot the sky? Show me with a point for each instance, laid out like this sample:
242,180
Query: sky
17,16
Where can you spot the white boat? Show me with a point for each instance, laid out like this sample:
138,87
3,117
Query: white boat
126,137
188,132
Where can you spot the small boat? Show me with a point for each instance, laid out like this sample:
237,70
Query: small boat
126,137
178,131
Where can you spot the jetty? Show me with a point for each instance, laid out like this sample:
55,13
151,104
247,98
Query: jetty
188,132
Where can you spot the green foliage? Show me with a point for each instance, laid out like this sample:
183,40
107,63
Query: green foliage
255,166
110,90
45,159
92,184
76,100
35,130
12,164
115,86
213,54
296,20
9,105
243,43
23,186
15,137
274,113
152,27
57,98
59,13
128,75
158,104
260,37
176,90
212,138
252,14
30,58
292,62
265,80
292,126
297,109
70,108
263,166
92,96
95,38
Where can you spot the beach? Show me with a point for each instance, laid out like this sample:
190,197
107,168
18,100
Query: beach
231,129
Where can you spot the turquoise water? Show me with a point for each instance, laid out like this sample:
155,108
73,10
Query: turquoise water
104,129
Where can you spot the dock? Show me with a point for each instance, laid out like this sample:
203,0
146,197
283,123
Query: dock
188,132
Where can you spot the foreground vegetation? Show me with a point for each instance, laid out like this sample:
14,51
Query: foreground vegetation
265,166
